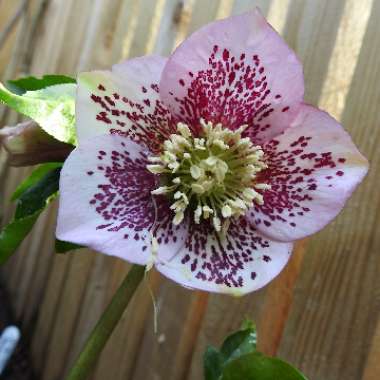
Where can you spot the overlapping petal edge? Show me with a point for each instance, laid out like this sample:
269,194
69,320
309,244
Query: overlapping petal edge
235,71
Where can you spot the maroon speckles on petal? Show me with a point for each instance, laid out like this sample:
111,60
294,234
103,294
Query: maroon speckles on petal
223,261
233,90
124,200
226,55
292,176
148,122
154,87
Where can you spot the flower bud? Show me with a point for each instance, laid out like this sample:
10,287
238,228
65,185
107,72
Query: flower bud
28,144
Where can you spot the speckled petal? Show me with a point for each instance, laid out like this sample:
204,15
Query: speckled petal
313,169
123,101
106,202
237,264
236,71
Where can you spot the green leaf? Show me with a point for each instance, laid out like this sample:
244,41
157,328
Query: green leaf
238,359
255,366
53,108
237,344
248,324
36,175
14,233
31,202
213,363
240,343
20,86
65,246
34,198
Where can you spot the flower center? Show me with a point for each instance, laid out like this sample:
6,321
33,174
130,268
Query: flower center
212,176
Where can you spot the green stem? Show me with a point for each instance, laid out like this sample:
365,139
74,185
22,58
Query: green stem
107,323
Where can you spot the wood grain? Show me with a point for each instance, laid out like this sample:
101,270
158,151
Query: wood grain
336,304
321,313
278,301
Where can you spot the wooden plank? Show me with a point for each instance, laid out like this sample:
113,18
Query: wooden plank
30,250
168,27
311,30
125,26
335,300
337,303
122,351
66,314
92,304
372,367
224,315
278,301
7,11
97,41
76,36
344,56
191,327
174,307
47,313
30,253
201,15
39,274
241,6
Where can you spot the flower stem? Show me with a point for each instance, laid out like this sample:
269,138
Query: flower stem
108,321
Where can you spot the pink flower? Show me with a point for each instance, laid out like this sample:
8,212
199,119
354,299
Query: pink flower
207,164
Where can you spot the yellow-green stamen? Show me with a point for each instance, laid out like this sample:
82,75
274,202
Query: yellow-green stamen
214,175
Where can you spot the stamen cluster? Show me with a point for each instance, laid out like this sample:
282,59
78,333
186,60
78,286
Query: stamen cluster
212,175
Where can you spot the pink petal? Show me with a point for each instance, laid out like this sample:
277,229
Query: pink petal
106,204
236,71
123,101
313,169
240,263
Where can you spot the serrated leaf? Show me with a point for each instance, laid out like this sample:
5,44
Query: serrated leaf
212,363
65,246
21,85
255,366
36,175
30,204
53,108
240,343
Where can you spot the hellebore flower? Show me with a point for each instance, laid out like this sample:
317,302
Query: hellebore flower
28,144
206,164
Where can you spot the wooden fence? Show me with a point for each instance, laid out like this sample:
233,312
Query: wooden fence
321,313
